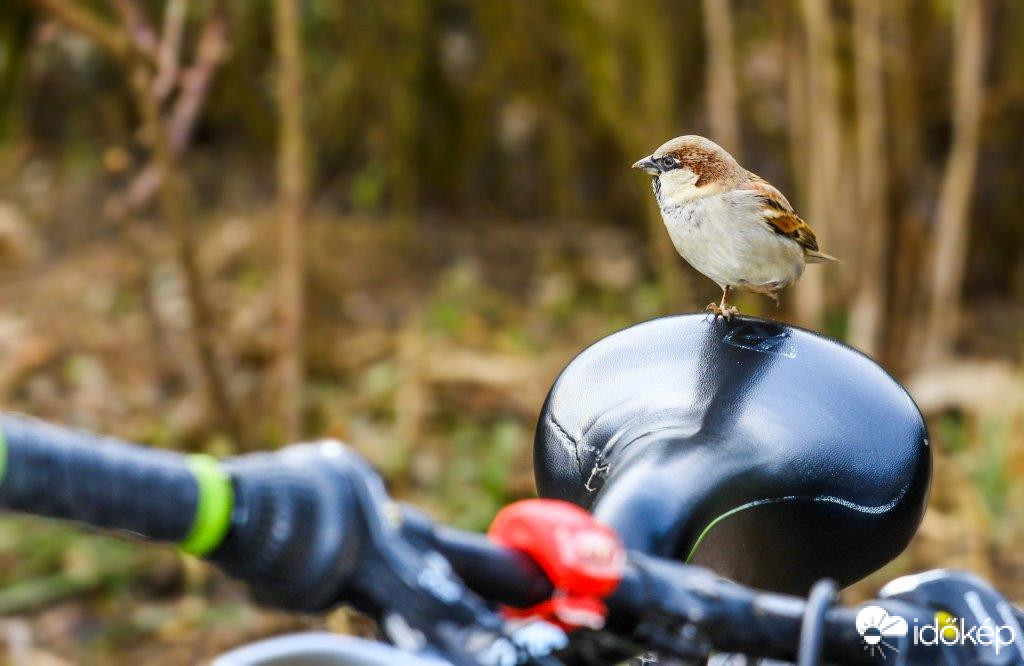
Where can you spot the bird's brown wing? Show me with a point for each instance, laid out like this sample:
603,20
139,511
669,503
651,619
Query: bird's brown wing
779,214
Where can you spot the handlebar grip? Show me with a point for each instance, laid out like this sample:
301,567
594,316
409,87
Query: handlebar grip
282,522
61,473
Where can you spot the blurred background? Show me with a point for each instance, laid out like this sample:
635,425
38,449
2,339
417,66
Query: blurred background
231,224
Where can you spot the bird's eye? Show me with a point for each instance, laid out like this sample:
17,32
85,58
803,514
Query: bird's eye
668,162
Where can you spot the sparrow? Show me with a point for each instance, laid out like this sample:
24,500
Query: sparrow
730,224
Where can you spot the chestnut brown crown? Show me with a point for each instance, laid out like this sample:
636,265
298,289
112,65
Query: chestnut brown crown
708,161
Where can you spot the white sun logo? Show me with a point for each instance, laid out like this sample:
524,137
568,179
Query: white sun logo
874,624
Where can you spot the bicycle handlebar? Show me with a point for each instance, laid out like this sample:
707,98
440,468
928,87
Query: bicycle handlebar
310,526
61,473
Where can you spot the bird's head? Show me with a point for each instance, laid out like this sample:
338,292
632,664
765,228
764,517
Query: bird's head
688,167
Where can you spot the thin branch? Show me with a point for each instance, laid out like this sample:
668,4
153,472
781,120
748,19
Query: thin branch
195,81
293,189
137,195
172,195
106,34
169,52
137,27
194,84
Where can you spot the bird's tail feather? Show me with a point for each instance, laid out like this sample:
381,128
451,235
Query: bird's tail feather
815,257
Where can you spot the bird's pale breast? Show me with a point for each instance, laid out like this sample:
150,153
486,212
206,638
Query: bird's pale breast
724,237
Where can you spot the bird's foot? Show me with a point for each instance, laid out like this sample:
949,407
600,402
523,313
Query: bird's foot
727,311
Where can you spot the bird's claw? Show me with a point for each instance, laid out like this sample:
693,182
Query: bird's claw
727,311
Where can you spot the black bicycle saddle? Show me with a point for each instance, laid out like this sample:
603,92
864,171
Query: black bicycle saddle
768,453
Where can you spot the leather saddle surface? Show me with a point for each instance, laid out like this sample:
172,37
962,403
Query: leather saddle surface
768,453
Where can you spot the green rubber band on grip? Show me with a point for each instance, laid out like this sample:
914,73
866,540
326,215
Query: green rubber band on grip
213,508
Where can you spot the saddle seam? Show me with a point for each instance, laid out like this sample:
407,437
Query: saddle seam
569,438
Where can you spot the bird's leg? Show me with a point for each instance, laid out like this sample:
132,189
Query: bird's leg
727,310
722,308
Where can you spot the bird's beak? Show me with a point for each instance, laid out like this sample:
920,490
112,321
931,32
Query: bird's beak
647,164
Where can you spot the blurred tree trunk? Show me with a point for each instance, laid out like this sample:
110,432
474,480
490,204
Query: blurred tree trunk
656,105
636,105
824,150
411,23
292,199
723,114
949,251
911,203
791,45
796,95
15,36
868,307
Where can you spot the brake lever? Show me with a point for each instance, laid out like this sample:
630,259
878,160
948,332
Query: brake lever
422,604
